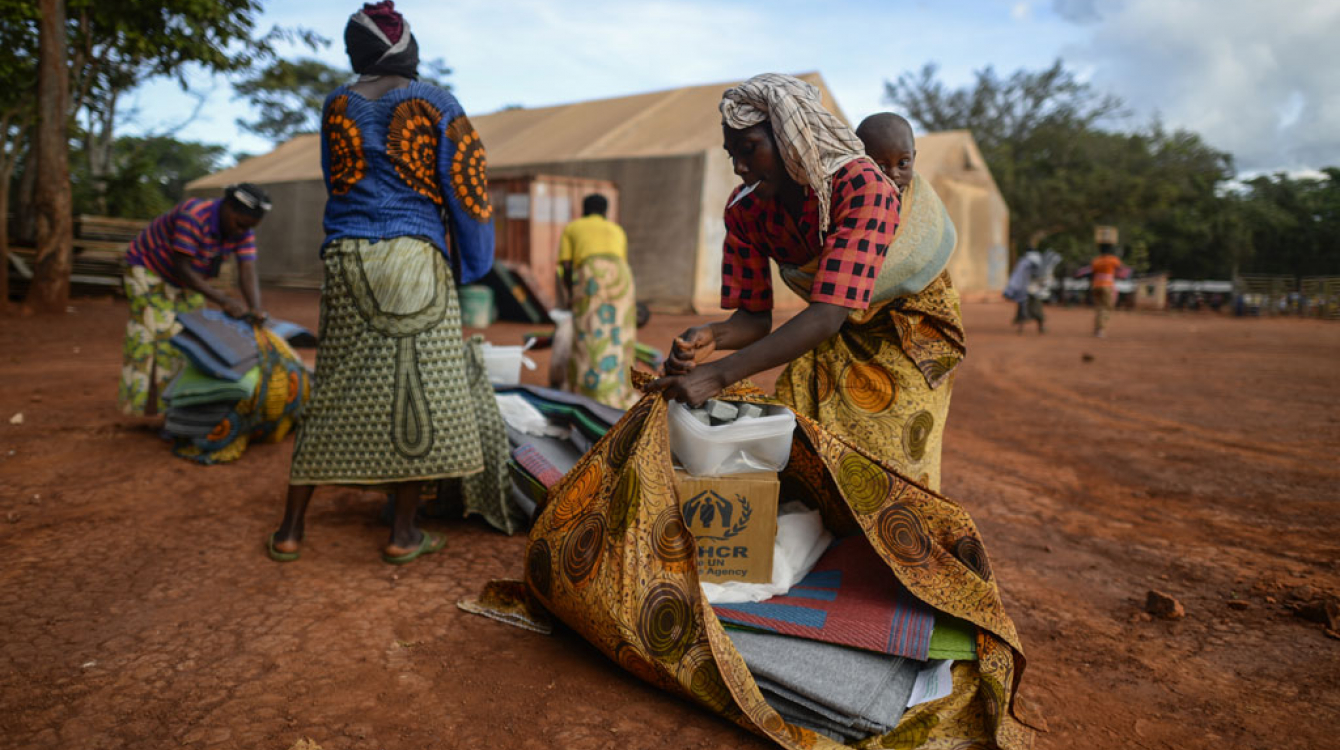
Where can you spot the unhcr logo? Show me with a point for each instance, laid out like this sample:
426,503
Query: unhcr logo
710,515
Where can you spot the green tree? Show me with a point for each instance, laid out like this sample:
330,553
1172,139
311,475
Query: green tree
113,47
116,46
148,175
18,71
1035,130
288,94
1061,172
1174,203
1002,112
1293,223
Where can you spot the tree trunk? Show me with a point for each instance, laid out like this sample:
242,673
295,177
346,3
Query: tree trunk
53,205
25,221
4,247
5,172
98,148
6,168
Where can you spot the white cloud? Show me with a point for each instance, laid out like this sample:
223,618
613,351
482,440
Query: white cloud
542,52
1021,11
1260,81
534,52
1079,11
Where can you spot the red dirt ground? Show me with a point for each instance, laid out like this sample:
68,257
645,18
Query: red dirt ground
1194,454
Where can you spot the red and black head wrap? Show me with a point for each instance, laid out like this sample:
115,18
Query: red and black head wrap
379,43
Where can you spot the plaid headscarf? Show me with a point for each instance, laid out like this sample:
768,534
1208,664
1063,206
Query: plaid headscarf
814,143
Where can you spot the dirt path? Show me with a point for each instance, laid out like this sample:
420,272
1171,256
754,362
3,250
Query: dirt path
1192,454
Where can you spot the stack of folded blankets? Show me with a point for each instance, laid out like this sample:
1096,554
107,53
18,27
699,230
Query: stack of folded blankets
847,649
241,383
845,693
223,367
549,430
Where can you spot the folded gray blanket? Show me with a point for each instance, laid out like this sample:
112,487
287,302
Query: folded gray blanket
195,421
795,713
843,692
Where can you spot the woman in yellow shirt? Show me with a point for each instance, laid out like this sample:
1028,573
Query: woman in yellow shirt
593,261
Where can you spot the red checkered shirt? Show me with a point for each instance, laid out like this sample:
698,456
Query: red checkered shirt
864,217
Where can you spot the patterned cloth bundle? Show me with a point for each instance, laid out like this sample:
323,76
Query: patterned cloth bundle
241,384
611,556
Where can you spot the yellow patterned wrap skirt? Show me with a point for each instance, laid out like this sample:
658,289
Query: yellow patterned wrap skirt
883,382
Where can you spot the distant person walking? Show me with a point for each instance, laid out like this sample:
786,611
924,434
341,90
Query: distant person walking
169,266
1103,272
1029,286
595,276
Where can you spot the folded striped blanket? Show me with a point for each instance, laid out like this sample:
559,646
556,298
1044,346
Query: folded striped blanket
850,598
537,465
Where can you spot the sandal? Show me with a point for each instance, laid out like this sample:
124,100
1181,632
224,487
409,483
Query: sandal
275,554
429,544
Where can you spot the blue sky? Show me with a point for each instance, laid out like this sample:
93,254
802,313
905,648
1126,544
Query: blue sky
1258,80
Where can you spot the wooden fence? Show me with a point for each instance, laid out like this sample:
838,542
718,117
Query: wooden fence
100,245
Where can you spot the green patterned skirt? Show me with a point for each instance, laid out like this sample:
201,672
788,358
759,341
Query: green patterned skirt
393,400
148,361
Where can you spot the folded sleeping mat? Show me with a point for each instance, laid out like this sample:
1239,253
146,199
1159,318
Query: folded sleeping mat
224,347
196,421
849,598
594,419
538,462
216,344
194,387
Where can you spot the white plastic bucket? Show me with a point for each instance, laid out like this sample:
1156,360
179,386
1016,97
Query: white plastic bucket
503,363
757,444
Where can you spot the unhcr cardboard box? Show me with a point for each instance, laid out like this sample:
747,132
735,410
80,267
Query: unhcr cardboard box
734,520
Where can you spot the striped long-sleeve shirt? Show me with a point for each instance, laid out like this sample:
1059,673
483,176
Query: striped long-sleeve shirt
190,228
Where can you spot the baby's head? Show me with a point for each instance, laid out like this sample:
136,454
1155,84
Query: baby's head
889,143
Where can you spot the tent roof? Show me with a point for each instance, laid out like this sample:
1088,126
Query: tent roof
953,154
294,160
661,123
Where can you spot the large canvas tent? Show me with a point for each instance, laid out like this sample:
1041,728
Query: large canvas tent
955,166
663,150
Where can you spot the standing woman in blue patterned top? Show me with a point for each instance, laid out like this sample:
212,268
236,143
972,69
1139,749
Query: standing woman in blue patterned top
406,202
